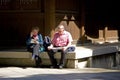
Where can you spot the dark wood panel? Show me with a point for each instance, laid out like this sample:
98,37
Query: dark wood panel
17,17
20,4
14,27
72,5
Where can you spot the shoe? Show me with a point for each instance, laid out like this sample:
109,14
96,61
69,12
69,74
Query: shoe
60,66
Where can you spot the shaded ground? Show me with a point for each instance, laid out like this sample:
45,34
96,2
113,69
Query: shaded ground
18,73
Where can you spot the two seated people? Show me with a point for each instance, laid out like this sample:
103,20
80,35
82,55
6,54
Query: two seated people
61,42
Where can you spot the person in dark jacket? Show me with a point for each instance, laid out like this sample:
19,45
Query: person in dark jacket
34,43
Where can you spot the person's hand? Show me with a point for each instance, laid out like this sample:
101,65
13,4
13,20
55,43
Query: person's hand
64,48
50,47
34,41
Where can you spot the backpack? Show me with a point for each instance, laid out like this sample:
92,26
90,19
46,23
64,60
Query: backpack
47,42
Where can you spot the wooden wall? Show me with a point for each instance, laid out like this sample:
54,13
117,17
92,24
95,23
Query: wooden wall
68,13
100,14
16,19
18,16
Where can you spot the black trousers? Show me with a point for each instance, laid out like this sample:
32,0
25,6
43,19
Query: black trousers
34,49
53,60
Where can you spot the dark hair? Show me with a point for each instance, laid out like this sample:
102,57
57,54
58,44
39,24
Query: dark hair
35,28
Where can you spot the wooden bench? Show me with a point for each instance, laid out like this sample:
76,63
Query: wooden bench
82,57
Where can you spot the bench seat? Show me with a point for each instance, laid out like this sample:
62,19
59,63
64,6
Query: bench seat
79,58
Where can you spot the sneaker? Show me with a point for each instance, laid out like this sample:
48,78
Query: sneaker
60,66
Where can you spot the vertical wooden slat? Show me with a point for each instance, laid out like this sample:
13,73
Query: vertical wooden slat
49,17
82,22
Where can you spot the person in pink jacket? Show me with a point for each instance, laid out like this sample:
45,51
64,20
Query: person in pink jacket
61,41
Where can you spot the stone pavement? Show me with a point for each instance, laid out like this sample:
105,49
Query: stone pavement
29,73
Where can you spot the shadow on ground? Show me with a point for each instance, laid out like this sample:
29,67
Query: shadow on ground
63,74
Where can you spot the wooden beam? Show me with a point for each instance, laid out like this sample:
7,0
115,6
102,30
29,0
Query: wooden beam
49,17
105,33
82,30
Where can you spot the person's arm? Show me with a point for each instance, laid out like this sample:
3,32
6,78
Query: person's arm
69,41
52,42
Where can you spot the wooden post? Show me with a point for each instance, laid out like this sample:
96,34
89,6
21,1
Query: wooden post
82,30
105,33
49,17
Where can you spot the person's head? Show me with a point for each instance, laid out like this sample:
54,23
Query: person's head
35,30
61,29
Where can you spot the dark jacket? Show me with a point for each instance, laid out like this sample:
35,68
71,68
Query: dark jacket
29,44
28,40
